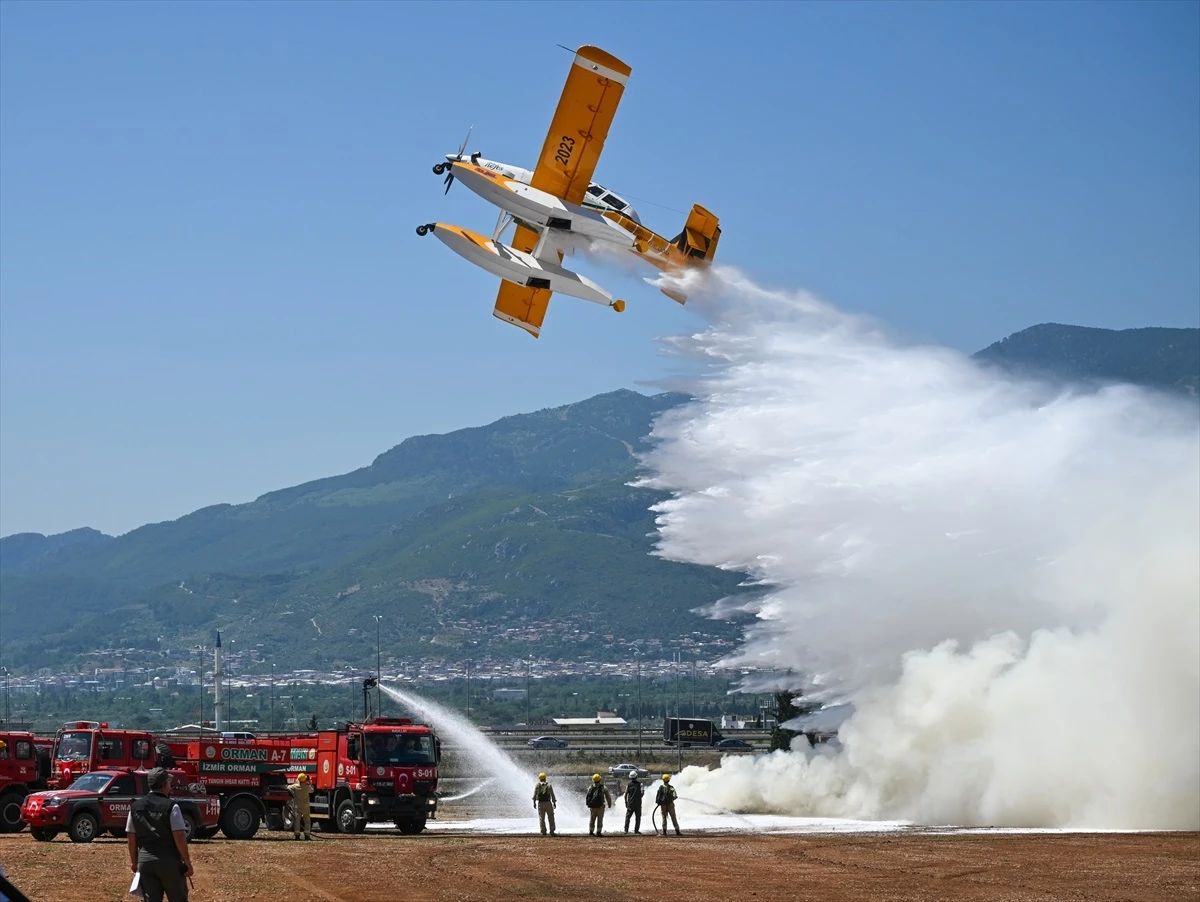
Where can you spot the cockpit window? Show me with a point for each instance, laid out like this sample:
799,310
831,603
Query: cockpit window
595,190
615,202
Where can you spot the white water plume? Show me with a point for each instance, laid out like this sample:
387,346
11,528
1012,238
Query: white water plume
1003,576
508,791
467,793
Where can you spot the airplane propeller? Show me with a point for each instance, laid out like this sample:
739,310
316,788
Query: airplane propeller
440,168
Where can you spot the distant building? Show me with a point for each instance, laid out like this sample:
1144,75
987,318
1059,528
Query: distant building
602,721
508,693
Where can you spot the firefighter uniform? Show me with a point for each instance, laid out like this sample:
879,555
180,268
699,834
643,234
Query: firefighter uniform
598,797
665,799
301,791
545,803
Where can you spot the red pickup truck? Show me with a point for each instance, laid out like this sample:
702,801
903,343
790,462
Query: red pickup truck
99,802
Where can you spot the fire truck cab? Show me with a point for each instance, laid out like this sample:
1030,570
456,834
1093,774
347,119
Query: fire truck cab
87,745
385,769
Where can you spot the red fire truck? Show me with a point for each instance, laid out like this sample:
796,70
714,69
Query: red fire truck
24,768
385,769
250,775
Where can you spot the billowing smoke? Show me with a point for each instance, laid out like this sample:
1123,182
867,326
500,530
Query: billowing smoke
1003,576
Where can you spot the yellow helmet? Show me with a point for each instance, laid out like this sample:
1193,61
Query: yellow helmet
595,778
542,777
303,778
666,778
3,745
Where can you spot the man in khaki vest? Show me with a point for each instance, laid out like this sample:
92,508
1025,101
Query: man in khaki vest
301,791
665,799
544,803
597,798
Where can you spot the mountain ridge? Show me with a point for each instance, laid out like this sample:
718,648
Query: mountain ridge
1155,356
522,533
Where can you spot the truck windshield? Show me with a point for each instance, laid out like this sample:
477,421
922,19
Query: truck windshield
398,749
75,746
91,782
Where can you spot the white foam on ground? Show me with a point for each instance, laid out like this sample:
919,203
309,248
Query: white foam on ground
758,823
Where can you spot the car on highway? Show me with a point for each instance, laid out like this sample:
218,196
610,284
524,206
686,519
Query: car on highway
547,742
734,744
627,771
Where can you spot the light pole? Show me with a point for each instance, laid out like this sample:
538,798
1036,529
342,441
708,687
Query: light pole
272,696
228,680
693,688
639,707
7,677
528,667
675,674
378,669
678,741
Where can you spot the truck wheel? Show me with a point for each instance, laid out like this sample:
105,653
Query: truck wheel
348,820
191,828
410,826
240,819
287,816
10,812
84,827
42,834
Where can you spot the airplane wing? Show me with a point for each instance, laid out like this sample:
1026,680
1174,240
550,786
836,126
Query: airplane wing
519,304
585,112
522,306
580,125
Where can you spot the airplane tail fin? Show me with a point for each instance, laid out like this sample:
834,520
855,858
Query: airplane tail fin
701,232
697,243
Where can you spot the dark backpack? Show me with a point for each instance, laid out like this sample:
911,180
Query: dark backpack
595,796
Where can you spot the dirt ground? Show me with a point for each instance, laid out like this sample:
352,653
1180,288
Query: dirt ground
744,867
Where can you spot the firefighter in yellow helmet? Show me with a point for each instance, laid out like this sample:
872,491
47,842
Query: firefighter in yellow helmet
544,803
3,749
598,797
665,800
301,791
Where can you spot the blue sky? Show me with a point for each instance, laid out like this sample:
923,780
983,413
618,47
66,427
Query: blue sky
210,286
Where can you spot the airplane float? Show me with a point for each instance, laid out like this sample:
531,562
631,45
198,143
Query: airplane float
556,208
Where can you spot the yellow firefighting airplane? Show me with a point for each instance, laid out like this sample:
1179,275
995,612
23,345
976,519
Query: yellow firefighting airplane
556,208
